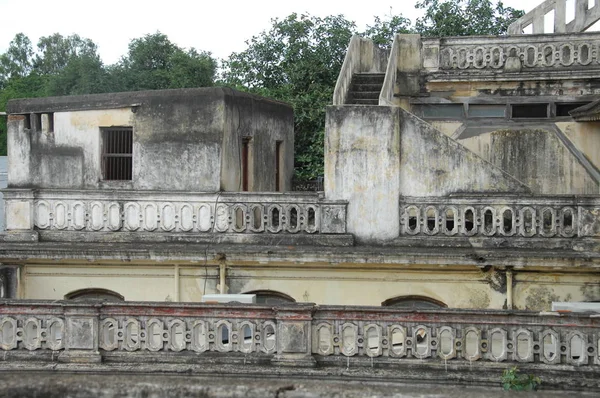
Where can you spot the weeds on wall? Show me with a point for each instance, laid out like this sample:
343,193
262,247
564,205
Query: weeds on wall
512,380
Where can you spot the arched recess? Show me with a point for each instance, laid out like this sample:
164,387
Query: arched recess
94,294
271,297
414,303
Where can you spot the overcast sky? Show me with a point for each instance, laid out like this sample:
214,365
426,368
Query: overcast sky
218,26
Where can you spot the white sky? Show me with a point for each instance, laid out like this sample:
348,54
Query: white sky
220,27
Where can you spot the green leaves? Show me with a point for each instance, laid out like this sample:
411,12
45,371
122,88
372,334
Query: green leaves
513,381
464,17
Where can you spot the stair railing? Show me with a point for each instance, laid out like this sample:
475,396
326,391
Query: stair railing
386,96
350,66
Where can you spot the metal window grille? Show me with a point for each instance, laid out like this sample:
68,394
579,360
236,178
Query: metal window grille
117,150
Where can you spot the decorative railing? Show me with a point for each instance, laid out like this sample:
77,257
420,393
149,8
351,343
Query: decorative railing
583,14
297,333
484,216
129,211
362,56
532,52
485,336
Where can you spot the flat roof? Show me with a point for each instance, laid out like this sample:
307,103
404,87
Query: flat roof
125,99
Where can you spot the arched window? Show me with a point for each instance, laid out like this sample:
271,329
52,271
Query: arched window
413,303
271,297
94,294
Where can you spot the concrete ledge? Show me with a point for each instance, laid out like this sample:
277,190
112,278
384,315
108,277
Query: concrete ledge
18,236
212,238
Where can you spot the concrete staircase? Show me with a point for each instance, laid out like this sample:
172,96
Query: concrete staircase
365,88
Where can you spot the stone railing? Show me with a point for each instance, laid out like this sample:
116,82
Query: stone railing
183,213
296,334
502,216
513,53
362,56
583,15
458,335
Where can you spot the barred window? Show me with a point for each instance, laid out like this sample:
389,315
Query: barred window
117,151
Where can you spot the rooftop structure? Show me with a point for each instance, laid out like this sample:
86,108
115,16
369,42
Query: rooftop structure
460,201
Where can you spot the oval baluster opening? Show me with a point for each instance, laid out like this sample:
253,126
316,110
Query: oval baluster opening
547,221
422,341
398,339
450,221
269,338
7,332
528,221
577,348
550,347
507,221
246,338
199,335
446,342
469,220
154,337
293,218
523,346
132,334
257,218
55,333
412,219
497,344
431,219
311,218
324,339
488,221
275,217
373,341
239,218
349,340
178,336
567,221
223,335
471,345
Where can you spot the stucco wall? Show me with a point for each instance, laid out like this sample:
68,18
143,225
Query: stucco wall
343,284
3,182
183,140
536,157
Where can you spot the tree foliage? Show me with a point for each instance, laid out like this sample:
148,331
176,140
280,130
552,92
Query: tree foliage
464,17
296,60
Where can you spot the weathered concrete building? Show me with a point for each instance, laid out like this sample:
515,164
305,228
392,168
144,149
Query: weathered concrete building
459,173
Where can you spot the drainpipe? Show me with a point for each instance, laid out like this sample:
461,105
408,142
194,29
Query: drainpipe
222,273
177,298
509,289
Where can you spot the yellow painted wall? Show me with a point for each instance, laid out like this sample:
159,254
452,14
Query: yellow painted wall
322,284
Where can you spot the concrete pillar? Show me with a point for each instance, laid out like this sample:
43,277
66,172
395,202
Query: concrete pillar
294,337
362,166
560,12
19,150
81,334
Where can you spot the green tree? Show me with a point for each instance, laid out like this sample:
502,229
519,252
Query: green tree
154,62
297,61
382,31
17,60
464,17
55,52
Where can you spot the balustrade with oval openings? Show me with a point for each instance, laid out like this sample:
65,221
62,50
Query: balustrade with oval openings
179,334
457,219
32,333
179,217
451,343
534,55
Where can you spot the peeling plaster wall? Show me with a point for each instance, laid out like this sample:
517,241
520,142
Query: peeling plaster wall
183,140
585,136
335,284
536,157
375,154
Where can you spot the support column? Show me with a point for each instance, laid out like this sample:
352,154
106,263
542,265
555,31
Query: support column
81,334
294,343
